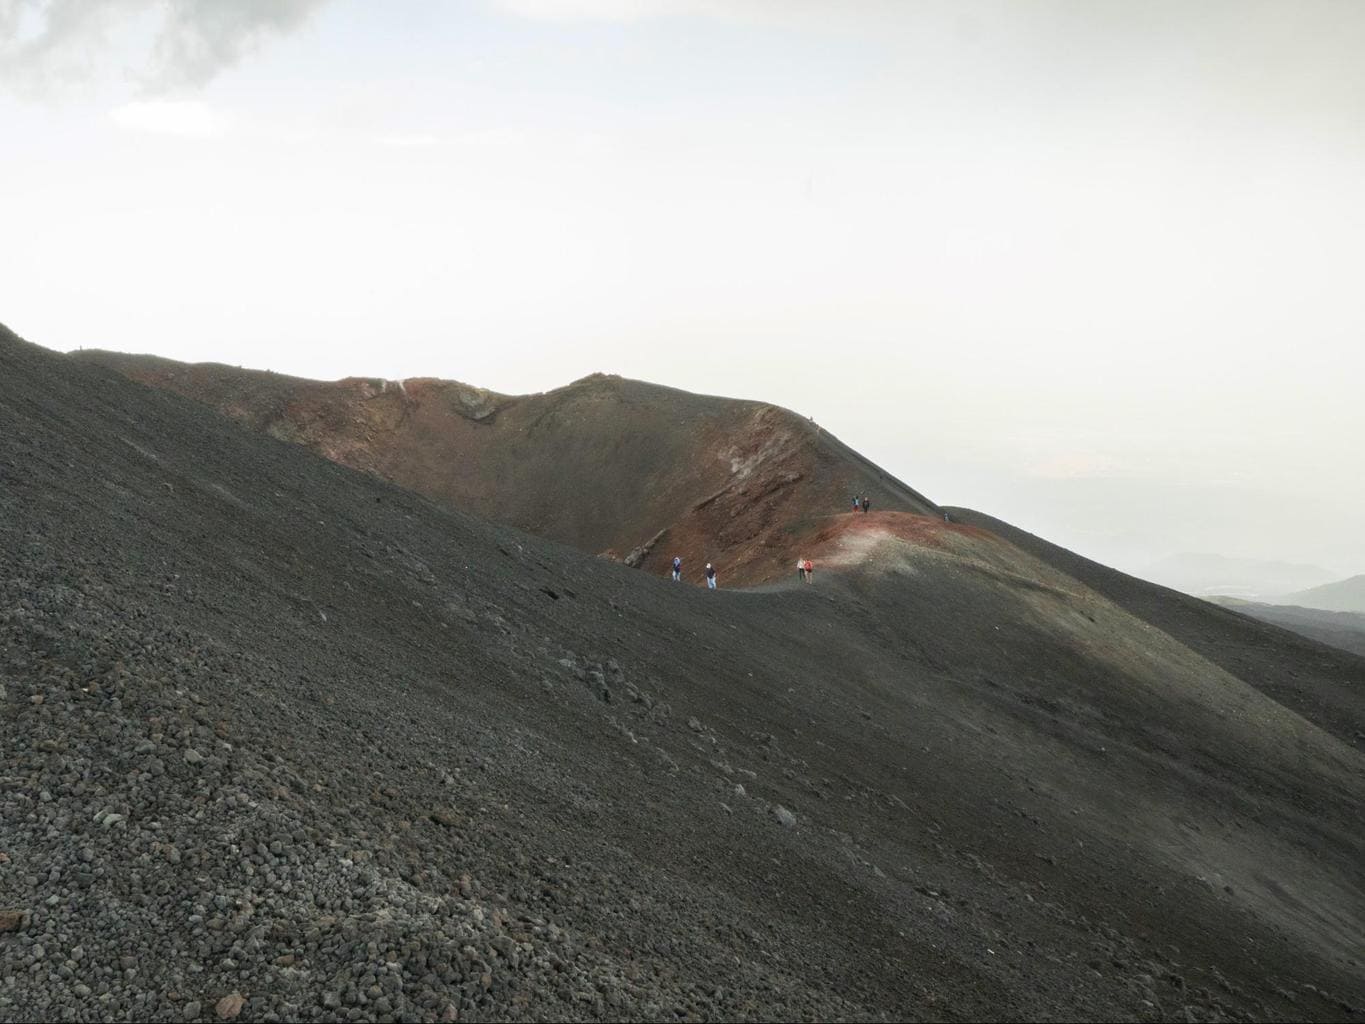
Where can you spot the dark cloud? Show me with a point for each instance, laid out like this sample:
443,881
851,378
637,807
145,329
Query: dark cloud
202,37
45,44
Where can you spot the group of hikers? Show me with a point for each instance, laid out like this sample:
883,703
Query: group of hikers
805,568
709,572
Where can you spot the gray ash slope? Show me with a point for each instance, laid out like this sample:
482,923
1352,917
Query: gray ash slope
277,729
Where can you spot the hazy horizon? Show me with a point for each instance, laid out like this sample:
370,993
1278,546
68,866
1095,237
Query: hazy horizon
1090,268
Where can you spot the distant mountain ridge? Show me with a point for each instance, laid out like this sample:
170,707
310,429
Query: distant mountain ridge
1346,595
1204,574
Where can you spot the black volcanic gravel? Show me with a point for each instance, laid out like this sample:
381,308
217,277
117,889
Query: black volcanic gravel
285,742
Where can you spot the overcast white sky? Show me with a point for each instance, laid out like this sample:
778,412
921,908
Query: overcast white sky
1092,267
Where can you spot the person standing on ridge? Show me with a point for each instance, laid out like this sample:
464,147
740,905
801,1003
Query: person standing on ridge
801,569
710,576
855,503
867,504
808,567
677,569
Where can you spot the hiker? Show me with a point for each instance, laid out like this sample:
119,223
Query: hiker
677,569
855,503
867,504
809,569
800,568
710,576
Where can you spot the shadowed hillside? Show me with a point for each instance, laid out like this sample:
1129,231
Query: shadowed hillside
283,732
633,470
1340,629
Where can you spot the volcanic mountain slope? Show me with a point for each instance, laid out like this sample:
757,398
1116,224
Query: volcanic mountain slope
280,732
608,465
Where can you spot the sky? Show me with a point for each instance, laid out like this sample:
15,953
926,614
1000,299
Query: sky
1091,267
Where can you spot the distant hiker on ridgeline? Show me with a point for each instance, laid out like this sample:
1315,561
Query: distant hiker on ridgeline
677,569
801,569
710,576
809,569
867,504
855,503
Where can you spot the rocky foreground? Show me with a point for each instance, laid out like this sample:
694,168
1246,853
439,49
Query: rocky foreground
283,742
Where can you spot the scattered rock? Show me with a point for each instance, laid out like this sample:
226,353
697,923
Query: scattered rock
230,1006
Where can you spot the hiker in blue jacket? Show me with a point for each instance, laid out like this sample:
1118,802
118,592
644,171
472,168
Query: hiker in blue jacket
677,569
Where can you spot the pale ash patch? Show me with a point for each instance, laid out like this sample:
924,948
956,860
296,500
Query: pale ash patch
855,547
743,465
